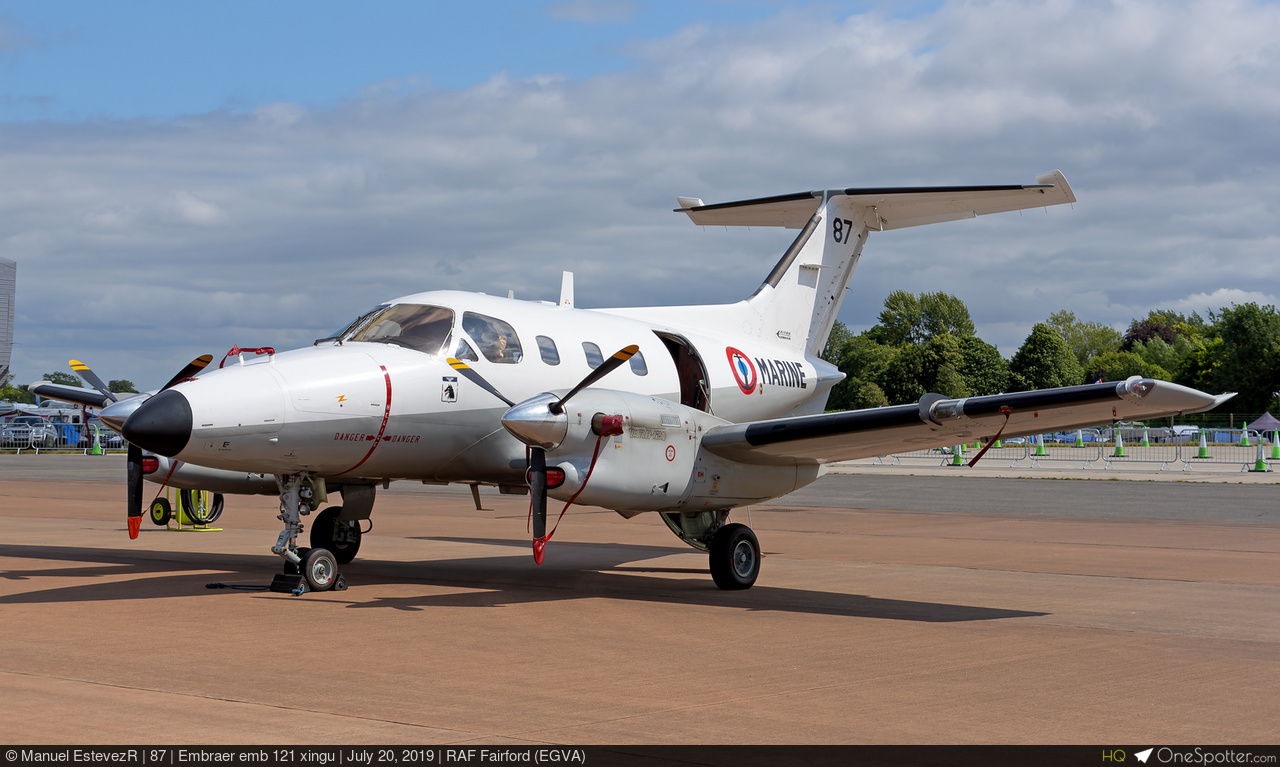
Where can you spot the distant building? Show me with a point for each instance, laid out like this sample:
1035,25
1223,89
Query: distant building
8,287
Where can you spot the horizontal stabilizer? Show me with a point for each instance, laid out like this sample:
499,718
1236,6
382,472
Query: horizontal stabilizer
888,208
937,421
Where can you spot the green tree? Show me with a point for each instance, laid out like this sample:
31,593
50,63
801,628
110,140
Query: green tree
933,366
910,319
901,379
1043,362
868,395
61,378
1248,358
836,342
1117,366
1085,339
1159,323
984,370
121,386
863,361
17,394
1170,357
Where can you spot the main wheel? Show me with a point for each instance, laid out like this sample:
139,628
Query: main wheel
735,557
161,512
320,569
341,538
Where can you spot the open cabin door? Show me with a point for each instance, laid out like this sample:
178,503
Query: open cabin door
694,390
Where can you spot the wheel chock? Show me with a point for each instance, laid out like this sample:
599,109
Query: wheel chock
288,584
339,583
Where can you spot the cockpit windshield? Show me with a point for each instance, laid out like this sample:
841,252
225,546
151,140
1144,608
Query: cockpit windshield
413,326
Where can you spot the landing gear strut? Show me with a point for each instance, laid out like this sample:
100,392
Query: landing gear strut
318,567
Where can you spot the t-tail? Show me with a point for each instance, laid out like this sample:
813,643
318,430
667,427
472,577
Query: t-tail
799,300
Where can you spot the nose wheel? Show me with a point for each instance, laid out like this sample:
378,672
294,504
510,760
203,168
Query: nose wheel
320,569
735,557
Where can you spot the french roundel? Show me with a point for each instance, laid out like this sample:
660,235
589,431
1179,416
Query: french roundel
744,370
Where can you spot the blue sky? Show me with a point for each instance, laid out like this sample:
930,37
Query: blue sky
93,60
182,177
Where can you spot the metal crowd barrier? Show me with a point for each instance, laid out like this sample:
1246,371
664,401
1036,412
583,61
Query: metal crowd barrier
1248,449
1133,446
63,437
1119,447
1082,446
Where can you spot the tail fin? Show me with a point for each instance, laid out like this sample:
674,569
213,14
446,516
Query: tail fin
801,297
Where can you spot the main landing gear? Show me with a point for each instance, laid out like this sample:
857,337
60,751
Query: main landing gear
732,549
314,568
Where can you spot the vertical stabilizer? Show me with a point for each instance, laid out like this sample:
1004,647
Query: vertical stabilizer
800,298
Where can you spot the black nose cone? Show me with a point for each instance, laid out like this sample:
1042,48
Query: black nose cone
162,424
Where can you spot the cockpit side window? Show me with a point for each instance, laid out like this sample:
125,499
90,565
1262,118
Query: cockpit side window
413,326
496,339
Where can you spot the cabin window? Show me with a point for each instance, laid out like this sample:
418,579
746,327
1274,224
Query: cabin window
413,326
547,350
496,339
594,358
637,364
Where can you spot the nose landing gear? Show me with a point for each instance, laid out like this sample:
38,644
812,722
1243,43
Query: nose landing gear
314,569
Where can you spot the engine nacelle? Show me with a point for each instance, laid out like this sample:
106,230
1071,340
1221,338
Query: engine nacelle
657,463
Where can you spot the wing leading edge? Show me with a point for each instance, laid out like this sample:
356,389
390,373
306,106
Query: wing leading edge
936,421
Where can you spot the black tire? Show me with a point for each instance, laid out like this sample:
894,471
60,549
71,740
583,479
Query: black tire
161,511
215,507
340,538
320,569
192,504
735,557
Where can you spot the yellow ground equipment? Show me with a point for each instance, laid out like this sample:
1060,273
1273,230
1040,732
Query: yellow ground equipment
193,510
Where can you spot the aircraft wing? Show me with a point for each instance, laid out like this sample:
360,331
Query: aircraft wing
936,421
889,207
73,394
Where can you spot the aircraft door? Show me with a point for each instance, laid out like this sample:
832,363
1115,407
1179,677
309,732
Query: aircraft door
695,389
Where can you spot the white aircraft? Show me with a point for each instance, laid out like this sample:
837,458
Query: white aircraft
704,409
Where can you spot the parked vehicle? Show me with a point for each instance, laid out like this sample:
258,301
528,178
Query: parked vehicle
29,431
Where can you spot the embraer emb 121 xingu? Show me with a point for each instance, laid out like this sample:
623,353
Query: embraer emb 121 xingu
686,411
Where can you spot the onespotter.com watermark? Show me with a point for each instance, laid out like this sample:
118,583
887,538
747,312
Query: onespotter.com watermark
1185,755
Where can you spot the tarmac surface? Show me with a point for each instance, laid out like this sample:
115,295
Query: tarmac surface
895,605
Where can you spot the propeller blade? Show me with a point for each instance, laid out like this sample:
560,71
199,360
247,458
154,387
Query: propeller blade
538,510
193,367
134,484
476,379
92,379
611,364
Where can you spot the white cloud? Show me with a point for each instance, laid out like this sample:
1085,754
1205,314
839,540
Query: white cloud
141,244
1203,303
